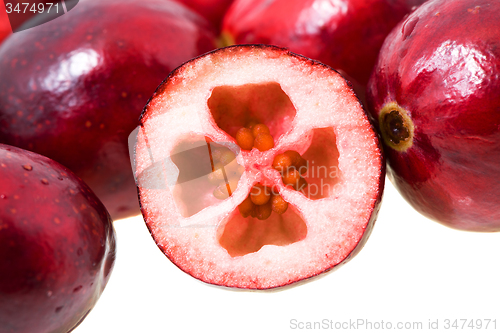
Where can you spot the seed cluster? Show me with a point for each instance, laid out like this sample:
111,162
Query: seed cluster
291,166
255,135
262,200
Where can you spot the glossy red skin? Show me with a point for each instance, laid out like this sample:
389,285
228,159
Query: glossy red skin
447,76
212,10
5,29
345,34
57,245
72,89
414,4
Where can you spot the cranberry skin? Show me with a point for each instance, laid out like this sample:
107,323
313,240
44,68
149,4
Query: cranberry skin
345,34
442,65
212,10
57,245
73,89
414,4
5,29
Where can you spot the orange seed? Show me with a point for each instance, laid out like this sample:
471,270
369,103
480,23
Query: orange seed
278,204
260,194
294,156
260,128
291,177
264,211
264,142
244,138
246,207
282,162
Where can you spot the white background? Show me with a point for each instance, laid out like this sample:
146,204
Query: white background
410,270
